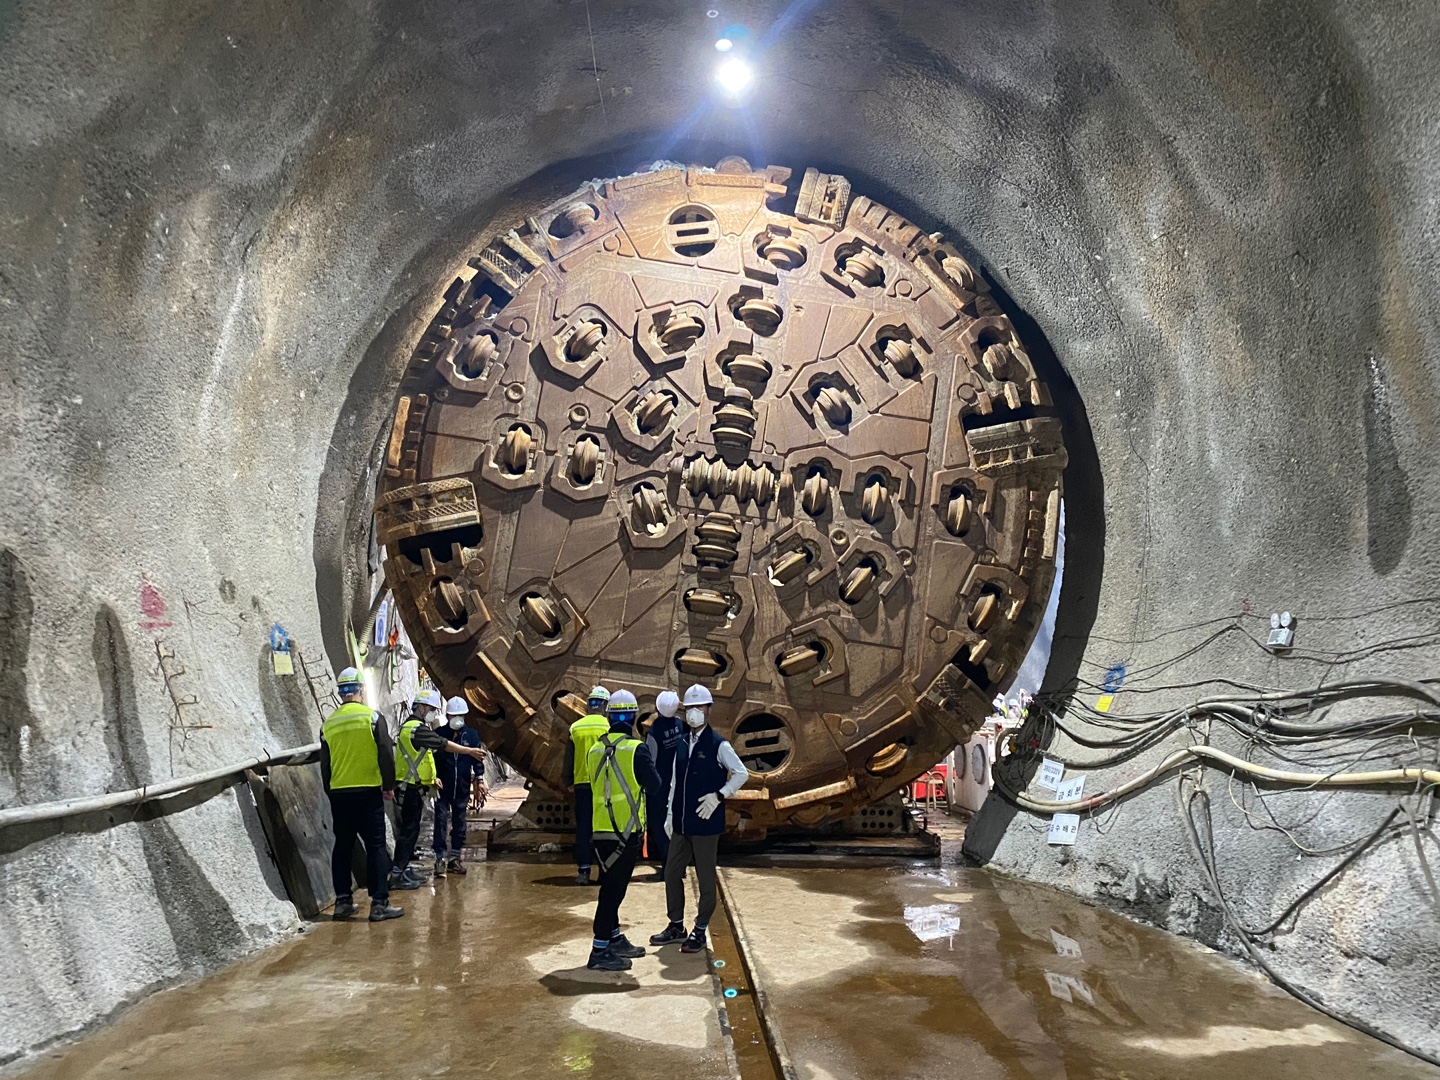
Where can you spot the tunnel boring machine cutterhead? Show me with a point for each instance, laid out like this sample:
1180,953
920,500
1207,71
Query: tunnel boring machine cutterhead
716,426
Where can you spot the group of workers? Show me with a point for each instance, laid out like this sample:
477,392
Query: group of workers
676,781
363,768
673,783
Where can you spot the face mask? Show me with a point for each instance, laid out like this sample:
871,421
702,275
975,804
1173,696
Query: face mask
695,717
437,719
457,722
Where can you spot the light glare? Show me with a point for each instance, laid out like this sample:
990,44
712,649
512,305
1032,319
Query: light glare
724,44
733,76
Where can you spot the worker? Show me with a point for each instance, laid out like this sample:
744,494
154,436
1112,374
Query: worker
663,737
622,776
707,771
415,768
452,772
357,767
583,733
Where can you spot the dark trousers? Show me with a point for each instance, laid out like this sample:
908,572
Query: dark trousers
452,804
704,851
658,843
584,825
613,883
359,813
407,835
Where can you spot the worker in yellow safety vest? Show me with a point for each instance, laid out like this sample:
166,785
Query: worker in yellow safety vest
417,779
583,733
622,774
357,767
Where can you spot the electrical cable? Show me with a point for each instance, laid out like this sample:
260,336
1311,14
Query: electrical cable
1376,778
1420,851
1334,872
1290,726
1212,879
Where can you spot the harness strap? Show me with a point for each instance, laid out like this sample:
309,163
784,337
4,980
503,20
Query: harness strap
412,764
609,766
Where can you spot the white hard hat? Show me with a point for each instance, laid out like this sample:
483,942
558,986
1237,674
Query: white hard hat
349,677
622,701
431,698
698,695
668,703
598,693
457,706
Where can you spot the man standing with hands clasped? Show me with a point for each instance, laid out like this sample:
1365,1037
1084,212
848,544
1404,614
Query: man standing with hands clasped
707,771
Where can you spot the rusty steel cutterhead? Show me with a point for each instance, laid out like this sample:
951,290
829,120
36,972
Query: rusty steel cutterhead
710,425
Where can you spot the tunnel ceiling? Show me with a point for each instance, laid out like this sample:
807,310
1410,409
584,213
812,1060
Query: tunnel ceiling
727,426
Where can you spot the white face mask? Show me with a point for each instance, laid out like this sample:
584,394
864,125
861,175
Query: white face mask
457,722
695,717
436,719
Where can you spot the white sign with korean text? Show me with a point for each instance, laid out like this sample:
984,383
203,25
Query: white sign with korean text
1064,828
1050,774
1070,790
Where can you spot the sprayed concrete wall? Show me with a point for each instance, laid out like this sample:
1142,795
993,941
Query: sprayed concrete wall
216,218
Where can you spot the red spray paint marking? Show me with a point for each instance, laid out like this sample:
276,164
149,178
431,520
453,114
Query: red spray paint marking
152,607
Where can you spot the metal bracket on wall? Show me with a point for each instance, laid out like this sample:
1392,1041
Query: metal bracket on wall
171,670
317,678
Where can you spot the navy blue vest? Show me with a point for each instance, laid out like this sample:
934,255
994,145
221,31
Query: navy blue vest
668,731
695,775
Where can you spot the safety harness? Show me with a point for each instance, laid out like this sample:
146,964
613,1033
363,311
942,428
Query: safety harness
412,763
609,767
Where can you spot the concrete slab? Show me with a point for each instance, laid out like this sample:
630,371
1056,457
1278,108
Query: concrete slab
485,976
946,971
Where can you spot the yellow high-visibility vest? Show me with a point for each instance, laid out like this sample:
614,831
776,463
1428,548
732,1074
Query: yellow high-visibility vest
583,733
354,757
616,797
413,766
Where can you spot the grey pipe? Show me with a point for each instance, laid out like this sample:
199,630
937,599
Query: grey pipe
29,815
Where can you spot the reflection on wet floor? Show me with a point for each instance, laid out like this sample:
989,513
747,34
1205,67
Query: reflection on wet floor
925,972
872,973
484,977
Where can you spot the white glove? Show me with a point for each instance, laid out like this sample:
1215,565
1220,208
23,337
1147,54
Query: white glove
669,831
708,805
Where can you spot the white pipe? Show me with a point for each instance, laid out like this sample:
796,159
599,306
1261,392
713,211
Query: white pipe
1409,775
29,815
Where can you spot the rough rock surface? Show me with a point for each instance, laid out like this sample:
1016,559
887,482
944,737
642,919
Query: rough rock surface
216,218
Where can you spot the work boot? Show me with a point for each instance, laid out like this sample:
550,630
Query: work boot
621,946
344,909
607,960
583,877
380,910
671,934
403,882
695,942
439,868
457,867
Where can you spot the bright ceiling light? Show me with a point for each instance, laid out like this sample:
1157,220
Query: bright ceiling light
734,76
724,44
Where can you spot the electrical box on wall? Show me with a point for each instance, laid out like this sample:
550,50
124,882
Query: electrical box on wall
1282,631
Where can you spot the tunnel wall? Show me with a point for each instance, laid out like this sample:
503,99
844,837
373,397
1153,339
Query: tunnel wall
217,219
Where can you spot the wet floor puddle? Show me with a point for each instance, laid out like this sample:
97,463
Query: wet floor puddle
897,972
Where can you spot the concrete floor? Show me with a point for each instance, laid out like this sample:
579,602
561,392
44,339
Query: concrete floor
484,977
954,972
870,972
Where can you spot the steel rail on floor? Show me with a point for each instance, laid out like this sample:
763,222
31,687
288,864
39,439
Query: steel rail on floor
780,1056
